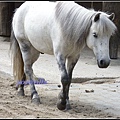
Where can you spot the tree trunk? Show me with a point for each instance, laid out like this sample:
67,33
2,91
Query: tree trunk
114,7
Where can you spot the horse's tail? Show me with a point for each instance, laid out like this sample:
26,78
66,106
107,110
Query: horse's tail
18,65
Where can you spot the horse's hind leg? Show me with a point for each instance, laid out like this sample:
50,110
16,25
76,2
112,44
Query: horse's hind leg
20,86
30,55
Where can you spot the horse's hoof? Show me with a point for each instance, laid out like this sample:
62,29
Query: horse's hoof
61,106
36,101
21,93
68,107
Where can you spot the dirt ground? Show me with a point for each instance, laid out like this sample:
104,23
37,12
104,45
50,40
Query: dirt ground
13,106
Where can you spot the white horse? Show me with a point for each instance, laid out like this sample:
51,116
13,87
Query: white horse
61,29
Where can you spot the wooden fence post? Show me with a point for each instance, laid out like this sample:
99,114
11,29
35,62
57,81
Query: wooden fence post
6,13
114,7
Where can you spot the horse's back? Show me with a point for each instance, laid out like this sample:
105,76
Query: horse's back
38,22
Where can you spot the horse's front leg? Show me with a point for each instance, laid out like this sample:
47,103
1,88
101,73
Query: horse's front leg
71,62
66,76
61,103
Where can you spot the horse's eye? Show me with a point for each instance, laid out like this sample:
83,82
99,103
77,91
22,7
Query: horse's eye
95,35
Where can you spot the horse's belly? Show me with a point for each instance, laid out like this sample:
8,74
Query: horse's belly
40,38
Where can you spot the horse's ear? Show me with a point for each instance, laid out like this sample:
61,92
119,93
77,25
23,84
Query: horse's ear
97,17
112,16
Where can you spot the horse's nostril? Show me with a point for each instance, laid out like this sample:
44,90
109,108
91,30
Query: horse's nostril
103,63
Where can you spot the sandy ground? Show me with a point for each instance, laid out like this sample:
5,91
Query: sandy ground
101,102
13,106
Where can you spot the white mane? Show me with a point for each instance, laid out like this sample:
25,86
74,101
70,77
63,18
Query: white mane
75,21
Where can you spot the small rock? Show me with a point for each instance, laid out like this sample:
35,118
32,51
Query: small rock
88,91
113,90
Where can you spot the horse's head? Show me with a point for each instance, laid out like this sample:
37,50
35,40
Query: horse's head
99,35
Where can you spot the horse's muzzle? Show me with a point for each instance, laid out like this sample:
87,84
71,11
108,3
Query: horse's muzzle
103,63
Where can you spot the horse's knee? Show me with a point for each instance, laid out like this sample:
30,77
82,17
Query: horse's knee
28,70
65,80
